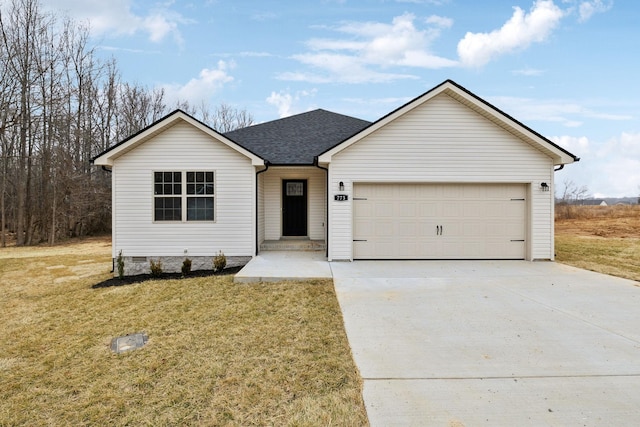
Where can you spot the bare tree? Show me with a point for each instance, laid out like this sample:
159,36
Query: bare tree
59,107
226,118
572,192
223,118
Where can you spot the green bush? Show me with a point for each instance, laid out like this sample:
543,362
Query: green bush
219,262
120,263
186,267
156,268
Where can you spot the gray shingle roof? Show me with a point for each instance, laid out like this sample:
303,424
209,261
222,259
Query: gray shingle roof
297,140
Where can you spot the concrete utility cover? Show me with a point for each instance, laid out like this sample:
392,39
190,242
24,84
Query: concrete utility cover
128,342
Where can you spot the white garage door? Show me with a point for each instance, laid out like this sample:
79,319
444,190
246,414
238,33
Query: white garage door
439,221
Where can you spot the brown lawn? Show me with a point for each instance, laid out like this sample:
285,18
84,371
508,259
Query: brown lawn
218,353
600,238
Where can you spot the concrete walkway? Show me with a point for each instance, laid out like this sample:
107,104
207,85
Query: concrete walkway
277,266
486,343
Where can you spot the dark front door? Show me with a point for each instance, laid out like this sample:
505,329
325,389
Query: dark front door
294,207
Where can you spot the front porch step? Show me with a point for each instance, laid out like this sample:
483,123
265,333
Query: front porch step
293,245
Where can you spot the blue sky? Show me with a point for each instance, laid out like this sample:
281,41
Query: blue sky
567,68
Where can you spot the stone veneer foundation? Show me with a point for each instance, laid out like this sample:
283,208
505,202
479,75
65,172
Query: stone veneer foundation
173,264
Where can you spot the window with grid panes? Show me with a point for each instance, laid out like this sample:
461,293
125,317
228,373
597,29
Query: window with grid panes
200,191
195,197
167,190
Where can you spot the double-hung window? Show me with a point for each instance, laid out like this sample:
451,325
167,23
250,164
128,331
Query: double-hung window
199,196
167,203
180,196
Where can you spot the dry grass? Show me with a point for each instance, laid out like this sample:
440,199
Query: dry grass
218,353
603,239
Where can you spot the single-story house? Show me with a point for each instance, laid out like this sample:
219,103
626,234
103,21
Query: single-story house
445,176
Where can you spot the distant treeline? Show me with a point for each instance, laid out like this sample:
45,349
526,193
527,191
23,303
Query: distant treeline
60,105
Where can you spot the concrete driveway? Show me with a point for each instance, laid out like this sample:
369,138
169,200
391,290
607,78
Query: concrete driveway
468,343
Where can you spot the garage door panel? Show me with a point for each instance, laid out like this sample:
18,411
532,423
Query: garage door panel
451,209
365,250
384,210
451,229
426,229
384,229
407,209
453,191
405,192
472,209
429,249
440,221
474,229
364,228
428,209
407,229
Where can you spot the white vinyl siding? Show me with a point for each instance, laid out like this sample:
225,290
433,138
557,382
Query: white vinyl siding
442,141
316,200
183,147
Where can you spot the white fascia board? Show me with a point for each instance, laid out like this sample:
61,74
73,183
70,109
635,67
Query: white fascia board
108,158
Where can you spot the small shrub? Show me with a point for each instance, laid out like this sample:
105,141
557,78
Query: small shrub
120,263
156,268
219,262
186,267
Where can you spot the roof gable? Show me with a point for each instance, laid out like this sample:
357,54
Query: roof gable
107,157
298,139
465,97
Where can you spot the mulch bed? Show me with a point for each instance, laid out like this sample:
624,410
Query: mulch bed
139,278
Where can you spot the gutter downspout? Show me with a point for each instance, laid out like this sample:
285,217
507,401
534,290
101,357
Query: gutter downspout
315,163
266,164
113,260
560,167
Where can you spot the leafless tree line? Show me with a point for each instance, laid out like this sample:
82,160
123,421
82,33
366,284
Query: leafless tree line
570,193
60,105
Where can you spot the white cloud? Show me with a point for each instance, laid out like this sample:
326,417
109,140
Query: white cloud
369,49
568,113
587,9
285,102
608,169
342,68
203,87
255,54
439,21
530,72
117,17
393,101
520,31
264,16
576,145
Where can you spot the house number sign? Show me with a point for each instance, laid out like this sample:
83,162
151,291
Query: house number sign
340,197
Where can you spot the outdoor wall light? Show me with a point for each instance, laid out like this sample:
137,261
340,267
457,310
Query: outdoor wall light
544,186
341,186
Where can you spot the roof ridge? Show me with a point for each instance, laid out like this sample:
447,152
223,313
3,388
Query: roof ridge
293,116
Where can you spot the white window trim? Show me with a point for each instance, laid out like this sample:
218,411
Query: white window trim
184,196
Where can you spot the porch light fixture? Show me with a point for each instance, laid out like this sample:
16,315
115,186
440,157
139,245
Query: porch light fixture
544,186
341,186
